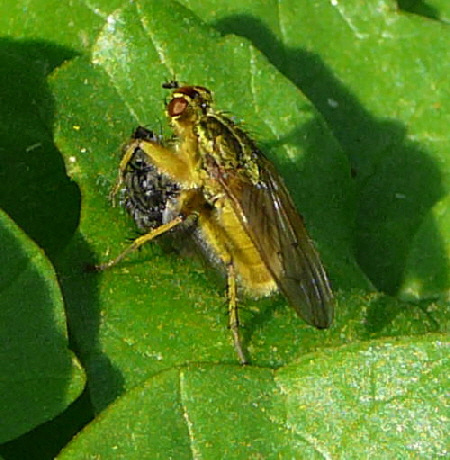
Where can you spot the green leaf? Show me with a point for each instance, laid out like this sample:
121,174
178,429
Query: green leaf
40,376
378,78
435,9
138,38
391,400
176,313
165,312
34,189
73,25
427,270
376,187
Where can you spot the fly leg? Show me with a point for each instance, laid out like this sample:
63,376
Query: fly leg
138,242
189,202
233,314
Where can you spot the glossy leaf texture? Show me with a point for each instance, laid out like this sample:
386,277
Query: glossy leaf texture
178,306
388,402
40,376
348,99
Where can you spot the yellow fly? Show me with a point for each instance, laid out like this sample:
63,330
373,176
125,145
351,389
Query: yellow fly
213,175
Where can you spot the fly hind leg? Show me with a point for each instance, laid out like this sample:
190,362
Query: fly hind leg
233,313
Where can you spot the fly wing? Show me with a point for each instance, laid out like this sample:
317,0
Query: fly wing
278,232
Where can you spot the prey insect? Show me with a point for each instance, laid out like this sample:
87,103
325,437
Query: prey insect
148,193
215,176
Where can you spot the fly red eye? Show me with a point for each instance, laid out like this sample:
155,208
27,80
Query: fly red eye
177,106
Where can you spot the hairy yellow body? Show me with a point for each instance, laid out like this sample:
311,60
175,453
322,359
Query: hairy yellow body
229,240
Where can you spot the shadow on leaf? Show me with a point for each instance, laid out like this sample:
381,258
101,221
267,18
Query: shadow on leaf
396,180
